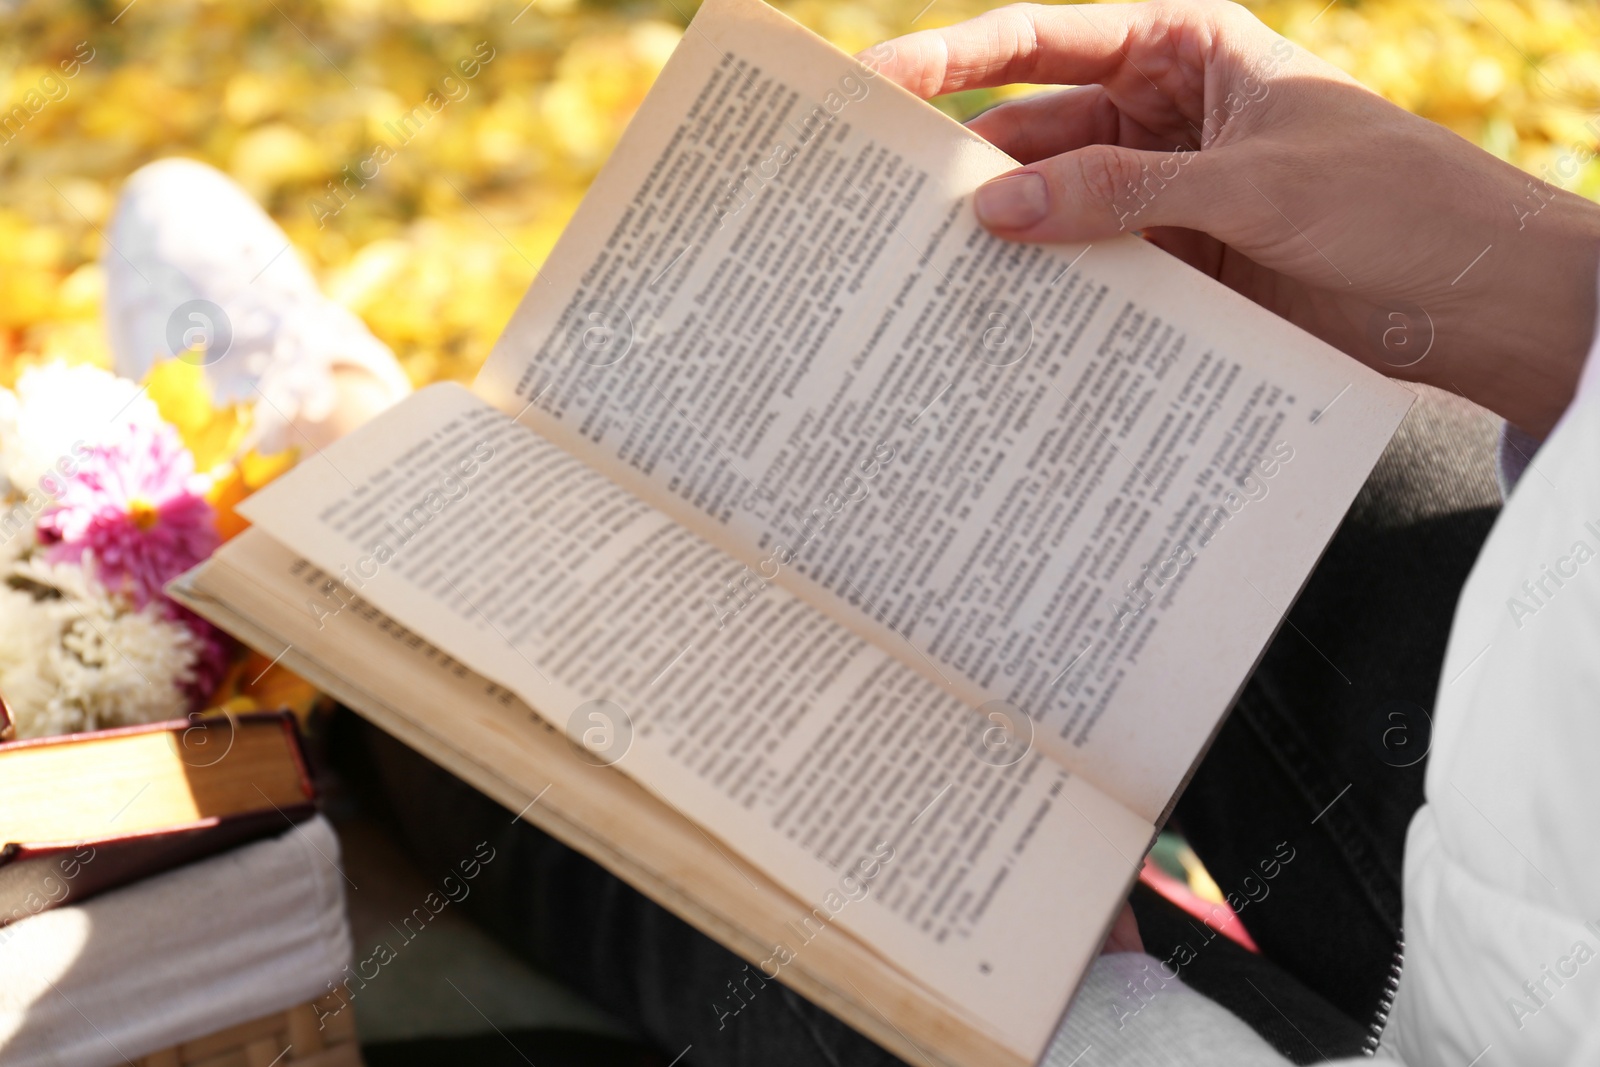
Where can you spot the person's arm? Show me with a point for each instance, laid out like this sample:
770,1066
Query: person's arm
1386,235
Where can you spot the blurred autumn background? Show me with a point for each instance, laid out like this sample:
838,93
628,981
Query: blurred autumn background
434,253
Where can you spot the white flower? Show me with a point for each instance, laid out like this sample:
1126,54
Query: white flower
55,407
72,658
25,642
16,530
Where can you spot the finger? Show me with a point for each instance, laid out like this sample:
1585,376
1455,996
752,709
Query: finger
1124,936
1048,124
1103,190
1073,44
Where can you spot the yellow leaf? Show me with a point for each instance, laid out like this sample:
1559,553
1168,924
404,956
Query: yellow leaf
212,435
232,484
260,468
254,683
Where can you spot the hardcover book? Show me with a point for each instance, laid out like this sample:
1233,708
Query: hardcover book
86,812
861,587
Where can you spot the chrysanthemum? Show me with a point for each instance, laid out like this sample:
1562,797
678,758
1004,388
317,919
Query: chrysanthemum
72,657
43,423
135,506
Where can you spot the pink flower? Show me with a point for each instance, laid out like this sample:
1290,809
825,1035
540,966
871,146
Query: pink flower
135,505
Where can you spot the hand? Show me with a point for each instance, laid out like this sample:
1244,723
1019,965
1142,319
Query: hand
1280,176
1124,936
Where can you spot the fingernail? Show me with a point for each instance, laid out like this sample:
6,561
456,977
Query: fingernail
1012,203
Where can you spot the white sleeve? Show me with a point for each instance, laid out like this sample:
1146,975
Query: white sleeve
1502,878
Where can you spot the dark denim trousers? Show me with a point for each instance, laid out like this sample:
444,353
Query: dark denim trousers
1324,753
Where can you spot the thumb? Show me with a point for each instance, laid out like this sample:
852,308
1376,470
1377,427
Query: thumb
1103,190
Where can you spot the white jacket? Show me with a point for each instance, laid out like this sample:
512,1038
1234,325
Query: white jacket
1502,864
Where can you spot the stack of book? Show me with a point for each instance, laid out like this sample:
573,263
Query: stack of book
86,812
159,884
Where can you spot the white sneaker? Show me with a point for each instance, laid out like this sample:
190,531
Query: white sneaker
196,270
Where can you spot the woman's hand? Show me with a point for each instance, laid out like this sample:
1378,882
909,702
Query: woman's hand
1386,235
1124,935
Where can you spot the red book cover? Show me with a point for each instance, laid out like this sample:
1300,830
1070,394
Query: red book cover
39,875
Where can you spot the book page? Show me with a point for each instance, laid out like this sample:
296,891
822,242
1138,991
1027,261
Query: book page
1085,481
256,590
848,777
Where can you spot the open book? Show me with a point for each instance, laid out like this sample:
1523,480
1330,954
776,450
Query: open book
859,586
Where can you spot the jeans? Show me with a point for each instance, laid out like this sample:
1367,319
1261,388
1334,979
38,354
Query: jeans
1322,757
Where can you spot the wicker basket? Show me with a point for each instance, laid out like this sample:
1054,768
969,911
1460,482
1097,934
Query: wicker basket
287,1038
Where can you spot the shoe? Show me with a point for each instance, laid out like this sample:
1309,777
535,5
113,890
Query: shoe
196,270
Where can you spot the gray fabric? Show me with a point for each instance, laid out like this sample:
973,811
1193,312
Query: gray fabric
1440,462
1172,1027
